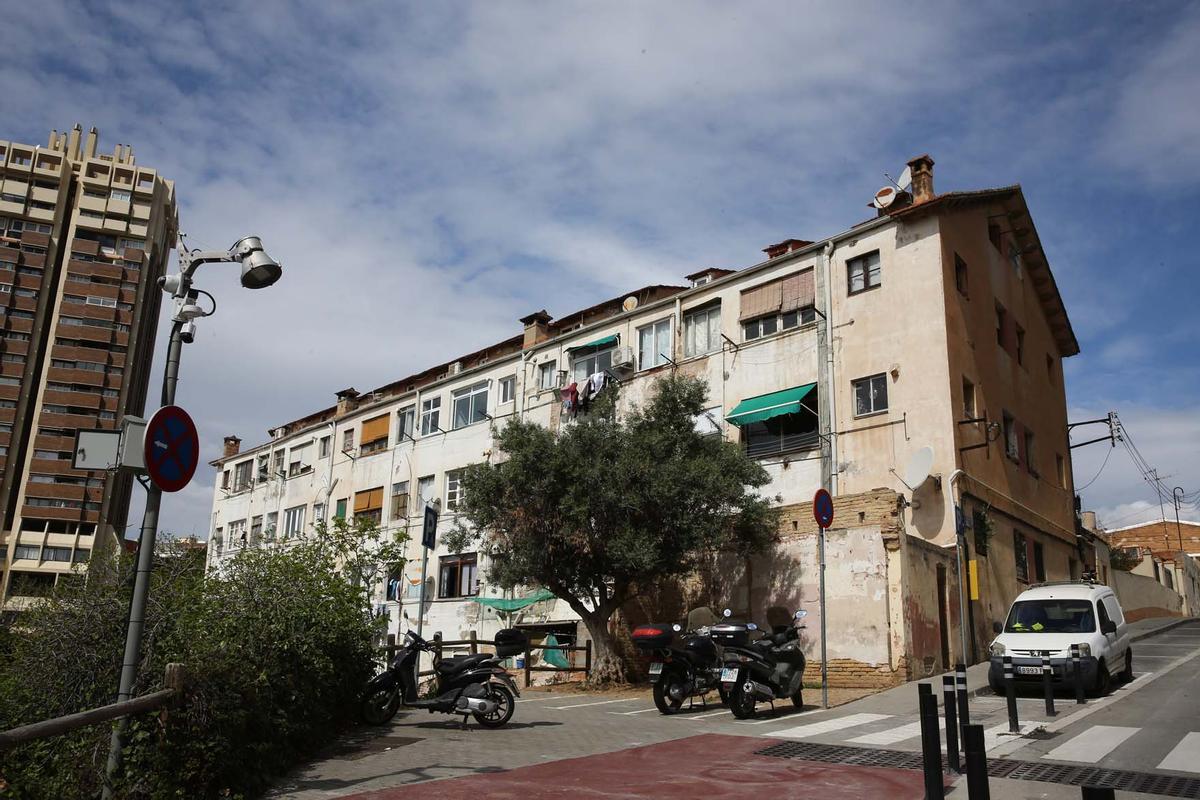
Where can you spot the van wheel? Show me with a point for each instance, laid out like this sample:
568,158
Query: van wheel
1103,679
1127,673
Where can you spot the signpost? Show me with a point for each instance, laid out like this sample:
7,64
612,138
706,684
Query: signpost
428,542
823,514
172,448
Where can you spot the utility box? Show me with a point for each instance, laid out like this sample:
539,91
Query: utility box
96,450
132,453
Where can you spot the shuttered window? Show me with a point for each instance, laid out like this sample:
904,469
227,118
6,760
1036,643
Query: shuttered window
374,434
369,504
798,291
762,300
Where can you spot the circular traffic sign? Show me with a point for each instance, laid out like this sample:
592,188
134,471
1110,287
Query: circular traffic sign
172,448
823,508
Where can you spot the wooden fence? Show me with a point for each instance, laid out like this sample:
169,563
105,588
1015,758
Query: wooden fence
473,644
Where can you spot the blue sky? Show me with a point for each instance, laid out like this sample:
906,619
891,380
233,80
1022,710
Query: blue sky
431,172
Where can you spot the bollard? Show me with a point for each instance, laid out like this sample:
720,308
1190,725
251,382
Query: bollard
1075,665
976,763
1094,793
951,725
1010,691
964,712
1048,686
931,745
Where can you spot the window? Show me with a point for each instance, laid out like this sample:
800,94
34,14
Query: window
863,272
347,440
708,421
323,447
241,475
26,551
979,524
272,524
400,500
318,512
870,395
119,194
458,576
968,399
430,415
1014,255
256,530
994,235
279,462
453,489
1022,557
1001,326
1050,368
1060,465
368,505
702,331
405,423
654,344
960,275
1012,448
340,509
1039,562
589,362
470,405
298,461
56,554
781,434
82,554
508,389
1020,345
293,522
237,533
547,375
425,490
375,433
1029,459
225,479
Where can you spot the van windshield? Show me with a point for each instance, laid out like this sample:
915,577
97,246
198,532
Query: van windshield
1051,616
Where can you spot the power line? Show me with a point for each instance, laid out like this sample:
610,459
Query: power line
1102,466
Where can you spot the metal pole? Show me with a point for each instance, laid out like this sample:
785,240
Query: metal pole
1010,691
824,651
964,709
141,583
931,746
1078,675
951,724
1048,686
1175,493
976,758
421,608
961,555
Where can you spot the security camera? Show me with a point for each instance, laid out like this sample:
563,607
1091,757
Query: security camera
187,332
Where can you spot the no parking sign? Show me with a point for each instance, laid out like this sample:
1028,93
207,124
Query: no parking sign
172,448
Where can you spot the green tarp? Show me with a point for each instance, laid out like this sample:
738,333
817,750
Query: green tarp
765,406
596,345
514,603
555,658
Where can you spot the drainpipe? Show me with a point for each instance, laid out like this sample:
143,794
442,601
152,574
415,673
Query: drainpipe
960,552
830,404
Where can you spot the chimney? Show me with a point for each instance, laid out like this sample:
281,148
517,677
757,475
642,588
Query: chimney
786,246
73,142
232,445
1089,521
537,328
89,148
345,401
922,178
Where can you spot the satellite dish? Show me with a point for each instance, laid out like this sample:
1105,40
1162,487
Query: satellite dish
885,197
630,303
905,179
917,471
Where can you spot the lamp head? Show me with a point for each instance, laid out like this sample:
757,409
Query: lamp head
259,270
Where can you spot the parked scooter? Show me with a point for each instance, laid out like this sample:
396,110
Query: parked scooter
684,667
762,669
472,685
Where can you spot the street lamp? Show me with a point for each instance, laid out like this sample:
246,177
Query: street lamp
259,271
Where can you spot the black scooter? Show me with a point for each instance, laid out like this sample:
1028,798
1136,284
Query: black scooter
473,685
766,669
682,668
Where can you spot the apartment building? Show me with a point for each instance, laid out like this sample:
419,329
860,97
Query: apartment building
83,237
935,324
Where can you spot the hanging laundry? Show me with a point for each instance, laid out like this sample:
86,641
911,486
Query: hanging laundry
595,384
570,398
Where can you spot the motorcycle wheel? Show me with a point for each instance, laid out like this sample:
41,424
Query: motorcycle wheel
505,705
798,699
663,699
724,694
741,703
380,706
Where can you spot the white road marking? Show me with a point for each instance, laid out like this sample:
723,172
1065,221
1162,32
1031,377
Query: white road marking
829,725
627,713
599,703
890,736
709,714
1092,745
993,736
1186,755
549,699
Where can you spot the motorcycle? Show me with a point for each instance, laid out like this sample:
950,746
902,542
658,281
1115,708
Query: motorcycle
760,670
471,685
685,668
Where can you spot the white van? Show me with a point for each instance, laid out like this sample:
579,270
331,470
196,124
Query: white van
1047,619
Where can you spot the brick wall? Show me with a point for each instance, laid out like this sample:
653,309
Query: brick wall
876,507
1160,538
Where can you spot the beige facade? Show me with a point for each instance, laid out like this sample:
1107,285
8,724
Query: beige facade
868,328
83,237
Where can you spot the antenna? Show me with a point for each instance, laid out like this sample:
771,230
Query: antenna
887,195
884,197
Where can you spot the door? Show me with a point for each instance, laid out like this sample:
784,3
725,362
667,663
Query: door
1121,640
1113,657
943,615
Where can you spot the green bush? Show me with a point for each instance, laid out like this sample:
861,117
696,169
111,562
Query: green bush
277,649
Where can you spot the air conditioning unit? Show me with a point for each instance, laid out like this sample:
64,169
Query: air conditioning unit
623,357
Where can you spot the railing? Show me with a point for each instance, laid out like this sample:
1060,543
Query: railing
174,682
472,644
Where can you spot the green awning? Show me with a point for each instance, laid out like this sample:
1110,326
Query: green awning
514,603
596,345
765,406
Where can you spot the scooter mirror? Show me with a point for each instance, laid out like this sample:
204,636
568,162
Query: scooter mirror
750,626
727,613
801,614
677,627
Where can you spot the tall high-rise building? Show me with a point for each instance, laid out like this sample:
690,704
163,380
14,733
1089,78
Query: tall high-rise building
84,236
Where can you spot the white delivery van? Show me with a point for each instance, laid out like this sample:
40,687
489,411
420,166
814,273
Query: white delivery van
1045,620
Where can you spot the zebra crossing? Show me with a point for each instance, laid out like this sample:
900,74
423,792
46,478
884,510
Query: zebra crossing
1090,746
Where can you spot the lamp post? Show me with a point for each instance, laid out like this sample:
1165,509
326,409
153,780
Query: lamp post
259,271
1175,495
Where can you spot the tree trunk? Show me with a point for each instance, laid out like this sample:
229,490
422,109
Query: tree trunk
607,664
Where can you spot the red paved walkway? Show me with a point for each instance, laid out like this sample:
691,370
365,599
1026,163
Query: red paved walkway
709,766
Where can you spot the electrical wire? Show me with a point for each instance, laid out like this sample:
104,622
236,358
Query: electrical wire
1098,472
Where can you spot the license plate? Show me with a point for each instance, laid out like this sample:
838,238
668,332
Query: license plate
729,675
656,668
1029,670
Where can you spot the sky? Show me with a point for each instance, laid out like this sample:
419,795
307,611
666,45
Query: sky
429,173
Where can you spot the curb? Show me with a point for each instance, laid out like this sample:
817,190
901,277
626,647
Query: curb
1162,629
